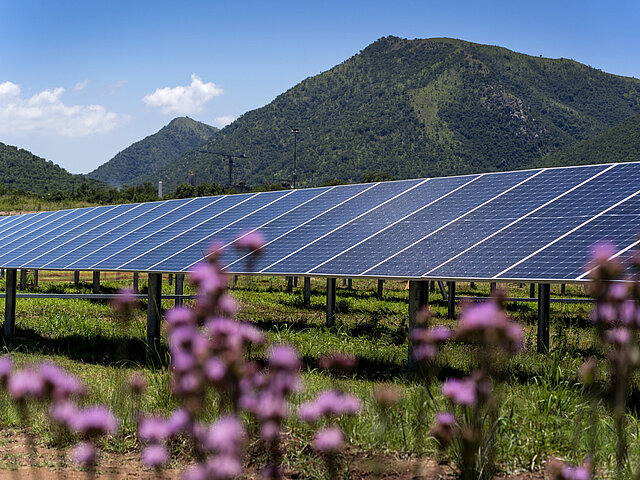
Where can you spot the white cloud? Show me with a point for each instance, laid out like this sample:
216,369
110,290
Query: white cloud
81,85
224,120
182,99
45,112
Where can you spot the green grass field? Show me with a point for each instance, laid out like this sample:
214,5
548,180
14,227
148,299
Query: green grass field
543,412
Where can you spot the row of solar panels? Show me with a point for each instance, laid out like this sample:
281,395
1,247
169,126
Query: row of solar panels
521,225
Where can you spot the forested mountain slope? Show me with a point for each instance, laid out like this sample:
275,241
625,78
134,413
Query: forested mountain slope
22,170
620,143
415,108
140,161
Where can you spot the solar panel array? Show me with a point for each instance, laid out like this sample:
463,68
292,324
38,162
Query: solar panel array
521,225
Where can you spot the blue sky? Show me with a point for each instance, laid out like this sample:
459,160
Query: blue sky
82,80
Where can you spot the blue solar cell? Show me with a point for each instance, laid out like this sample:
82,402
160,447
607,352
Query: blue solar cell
23,224
200,234
424,223
103,247
567,258
504,249
331,233
169,226
190,254
96,237
75,236
290,223
29,240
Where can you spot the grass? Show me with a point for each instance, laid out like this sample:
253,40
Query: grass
543,413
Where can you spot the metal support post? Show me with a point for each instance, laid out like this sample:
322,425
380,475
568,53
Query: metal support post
171,279
563,289
443,290
432,287
350,284
344,282
418,298
23,279
289,284
179,287
235,279
76,277
295,282
35,277
307,292
154,315
532,290
451,300
492,288
96,282
472,285
331,302
380,289
136,278
10,303
1,272
544,297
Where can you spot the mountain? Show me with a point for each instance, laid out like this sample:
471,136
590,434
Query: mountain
140,161
22,170
620,143
416,108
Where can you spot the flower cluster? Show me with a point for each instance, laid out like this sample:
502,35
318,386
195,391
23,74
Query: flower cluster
49,384
559,470
487,326
208,349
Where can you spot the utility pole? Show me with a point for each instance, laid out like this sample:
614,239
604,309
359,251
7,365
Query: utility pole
295,155
229,157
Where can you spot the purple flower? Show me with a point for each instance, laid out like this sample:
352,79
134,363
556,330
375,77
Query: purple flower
178,421
329,440
601,252
252,240
25,383
463,392
339,362
224,467
209,279
153,429
63,412
270,431
227,305
283,357
125,302
438,334
271,406
85,454
618,336
179,317
215,370
446,418
444,428
226,436
137,383
329,403
485,323
424,352
154,456
95,420
57,383
6,365
195,472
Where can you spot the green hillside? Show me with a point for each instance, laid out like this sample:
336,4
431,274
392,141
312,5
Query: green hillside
415,108
143,159
620,143
21,170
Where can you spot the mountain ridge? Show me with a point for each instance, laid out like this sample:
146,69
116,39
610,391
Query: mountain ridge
154,152
416,108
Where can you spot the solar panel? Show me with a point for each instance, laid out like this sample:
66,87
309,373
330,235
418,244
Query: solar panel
528,225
